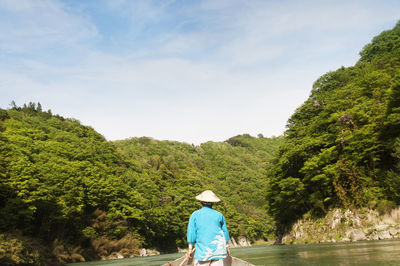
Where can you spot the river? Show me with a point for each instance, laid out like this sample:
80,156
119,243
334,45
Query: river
383,252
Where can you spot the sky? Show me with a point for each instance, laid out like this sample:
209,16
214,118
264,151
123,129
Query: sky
189,71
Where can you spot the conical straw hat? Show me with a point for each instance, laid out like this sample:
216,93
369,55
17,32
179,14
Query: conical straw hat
208,196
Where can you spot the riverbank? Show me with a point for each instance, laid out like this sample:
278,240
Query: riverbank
341,225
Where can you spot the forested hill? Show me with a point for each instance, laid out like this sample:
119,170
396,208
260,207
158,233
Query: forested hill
67,194
176,172
342,146
64,193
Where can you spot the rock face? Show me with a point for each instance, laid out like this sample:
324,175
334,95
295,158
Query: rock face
382,227
384,235
336,217
345,225
233,243
243,242
114,256
143,252
393,231
148,252
377,232
357,235
374,236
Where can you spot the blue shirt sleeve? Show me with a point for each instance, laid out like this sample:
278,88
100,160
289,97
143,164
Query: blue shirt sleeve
191,229
225,229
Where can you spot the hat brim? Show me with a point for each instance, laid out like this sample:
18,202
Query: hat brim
208,199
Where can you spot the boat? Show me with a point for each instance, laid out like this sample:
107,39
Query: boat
228,261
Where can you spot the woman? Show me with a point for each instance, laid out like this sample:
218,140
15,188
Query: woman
207,230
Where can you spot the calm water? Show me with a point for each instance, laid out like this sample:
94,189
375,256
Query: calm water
384,252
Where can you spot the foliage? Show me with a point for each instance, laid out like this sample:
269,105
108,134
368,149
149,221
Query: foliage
86,198
340,145
55,173
16,249
175,172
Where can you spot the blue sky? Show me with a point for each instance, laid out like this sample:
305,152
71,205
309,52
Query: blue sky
189,71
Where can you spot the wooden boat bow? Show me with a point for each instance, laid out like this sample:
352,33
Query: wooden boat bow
228,261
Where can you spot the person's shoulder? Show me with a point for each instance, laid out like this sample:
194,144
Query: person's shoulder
217,212
195,212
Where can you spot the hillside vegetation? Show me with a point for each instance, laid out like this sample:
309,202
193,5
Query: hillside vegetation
342,146
174,172
80,197
62,184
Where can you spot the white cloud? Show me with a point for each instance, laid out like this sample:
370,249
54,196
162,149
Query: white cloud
28,26
166,99
244,33
220,68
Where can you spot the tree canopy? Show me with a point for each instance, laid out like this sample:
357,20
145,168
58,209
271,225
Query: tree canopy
64,184
341,145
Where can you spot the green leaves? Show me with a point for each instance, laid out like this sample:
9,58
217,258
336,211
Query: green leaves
177,172
55,173
382,46
339,143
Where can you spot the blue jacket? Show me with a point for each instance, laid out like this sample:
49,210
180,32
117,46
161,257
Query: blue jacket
207,229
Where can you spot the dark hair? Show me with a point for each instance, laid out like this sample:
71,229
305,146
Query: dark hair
205,203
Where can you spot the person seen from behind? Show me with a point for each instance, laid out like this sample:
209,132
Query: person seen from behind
208,232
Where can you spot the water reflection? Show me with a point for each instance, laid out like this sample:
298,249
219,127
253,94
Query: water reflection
383,252
356,253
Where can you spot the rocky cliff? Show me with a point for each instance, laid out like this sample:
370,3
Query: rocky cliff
346,225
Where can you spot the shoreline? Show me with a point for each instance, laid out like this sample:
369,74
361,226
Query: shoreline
345,226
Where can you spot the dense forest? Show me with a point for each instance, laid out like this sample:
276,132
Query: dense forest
62,184
68,190
67,194
175,171
342,146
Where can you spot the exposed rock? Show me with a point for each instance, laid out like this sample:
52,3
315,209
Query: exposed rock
369,230
336,217
143,252
384,235
374,236
356,235
286,239
148,252
152,252
348,213
393,231
298,233
356,221
115,256
232,243
244,242
353,225
382,227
